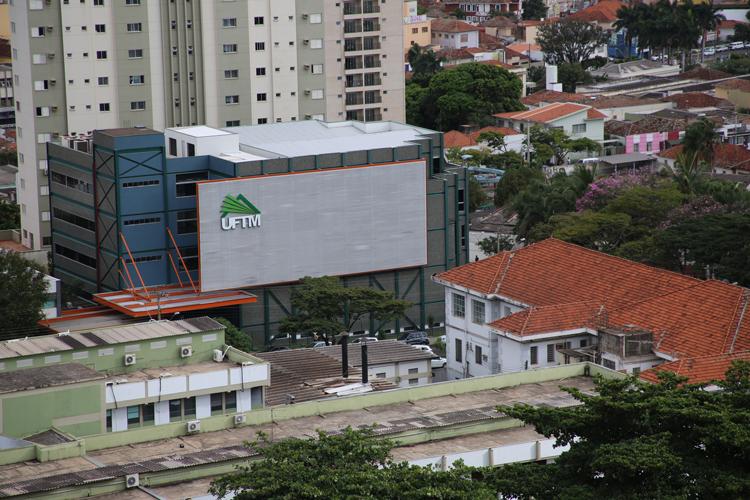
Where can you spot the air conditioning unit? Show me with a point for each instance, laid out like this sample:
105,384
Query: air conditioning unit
307,67
306,42
218,355
129,359
186,351
240,419
132,481
194,426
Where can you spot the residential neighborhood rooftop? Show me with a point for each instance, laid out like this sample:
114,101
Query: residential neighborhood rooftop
732,156
552,112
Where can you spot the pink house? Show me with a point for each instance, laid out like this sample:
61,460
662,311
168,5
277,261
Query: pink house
649,135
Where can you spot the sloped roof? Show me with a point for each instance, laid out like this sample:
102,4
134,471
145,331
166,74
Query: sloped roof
552,112
499,22
603,12
725,155
456,139
701,73
620,101
580,274
687,100
644,126
500,130
451,26
552,96
698,370
735,84
547,319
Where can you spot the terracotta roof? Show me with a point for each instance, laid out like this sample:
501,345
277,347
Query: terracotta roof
489,42
580,274
549,319
499,22
456,139
454,55
495,62
500,130
551,112
603,12
644,126
725,155
451,26
688,100
728,24
700,73
698,370
524,47
735,84
550,96
620,101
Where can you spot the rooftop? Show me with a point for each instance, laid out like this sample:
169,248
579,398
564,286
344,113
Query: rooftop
698,370
689,100
452,26
603,12
635,68
46,376
735,84
201,131
701,73
645,125
385,351
127,132
552,112
725,155
550,96
105,336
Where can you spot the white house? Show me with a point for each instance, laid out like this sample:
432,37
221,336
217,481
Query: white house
553,302
454,34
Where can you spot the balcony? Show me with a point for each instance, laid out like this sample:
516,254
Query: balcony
352,8
372,61
370,7
353,26
371,24
372,97
354,81
353,45
372,79
353,63
354,98
371,43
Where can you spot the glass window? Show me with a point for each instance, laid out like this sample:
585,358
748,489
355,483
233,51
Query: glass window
550,353
458,350
134,415
534,355
172,146
148,413
217,403
187,222
459,306
477,312
109,420
175,410
189,407
477,354
230,400
185,183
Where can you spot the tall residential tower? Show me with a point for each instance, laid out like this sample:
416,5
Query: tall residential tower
81,65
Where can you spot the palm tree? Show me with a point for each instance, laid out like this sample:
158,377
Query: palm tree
631,19
708,19
688,171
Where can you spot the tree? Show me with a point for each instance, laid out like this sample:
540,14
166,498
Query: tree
569,41
494,140
534,9
600,231
10,216
477,196
736,64
632,439
571,75
513,181
700,139
424,63
459,13
553,144
495,244
708,18
352,464
23,292
324,307
689,171
468,93
415,97
235,337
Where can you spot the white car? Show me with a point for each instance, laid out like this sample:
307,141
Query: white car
747,45
709,52
438,362
722,48
424,348
736,45
359,340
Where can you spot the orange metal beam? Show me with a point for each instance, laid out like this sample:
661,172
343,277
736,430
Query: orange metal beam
176,272
182,261
132,261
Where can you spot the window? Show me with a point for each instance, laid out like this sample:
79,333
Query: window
148,413
636,370
137,105
229,22
478,354
261,97
231,99
71,182
190,256
189,406
477,312
185,183
425,29
230,400
458,305
229,48
101,54
74,219
317,69
461,200
187,222
132,2
415,31
608,363
262,121
134,415
172,146
217,403
100,28
103,106
142,220
102,80
260,71
232,123
134,184
649,146
137,80
636,147
109,420
135,53
231,73
380,375
190,149
584,342
76,256
316,43
579,128
550,353
175,410
534,355
458,350
316,94
134,27
98,3
260,46
258,20
315,18
464,37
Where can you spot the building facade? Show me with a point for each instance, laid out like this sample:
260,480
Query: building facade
123,63
134,184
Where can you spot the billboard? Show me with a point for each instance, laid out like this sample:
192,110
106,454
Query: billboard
279,228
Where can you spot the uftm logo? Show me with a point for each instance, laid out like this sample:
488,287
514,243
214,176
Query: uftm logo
247,214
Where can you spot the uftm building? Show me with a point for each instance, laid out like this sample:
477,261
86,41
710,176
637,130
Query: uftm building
256,208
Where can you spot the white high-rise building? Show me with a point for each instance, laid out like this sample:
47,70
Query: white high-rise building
80,65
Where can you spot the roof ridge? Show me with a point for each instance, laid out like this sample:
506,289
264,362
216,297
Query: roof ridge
505,271
742,302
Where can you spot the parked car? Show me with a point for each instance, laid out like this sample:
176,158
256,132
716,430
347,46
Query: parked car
722,48
709,52
424,348
438,362
747,45
359,340
736,45
319,343
415,338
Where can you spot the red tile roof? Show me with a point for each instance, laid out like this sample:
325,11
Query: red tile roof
550,96
735,84
451,26
700,73
500,130
698,370
689,100
725,155
456,139
495,62
554,272
603,12
551,112
549,319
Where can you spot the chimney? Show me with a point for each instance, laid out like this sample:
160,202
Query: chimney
345,355
364,362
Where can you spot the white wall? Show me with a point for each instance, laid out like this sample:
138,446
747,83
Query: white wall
456,40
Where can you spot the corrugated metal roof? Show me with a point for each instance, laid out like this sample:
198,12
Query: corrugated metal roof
105,336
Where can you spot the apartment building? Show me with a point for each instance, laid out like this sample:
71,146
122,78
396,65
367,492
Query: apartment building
95,64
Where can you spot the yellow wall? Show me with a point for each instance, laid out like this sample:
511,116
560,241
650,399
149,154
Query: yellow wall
5,21
422,38
739,98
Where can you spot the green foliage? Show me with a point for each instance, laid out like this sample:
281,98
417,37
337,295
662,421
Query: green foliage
689,171
468,93
424,64
569,41
552,145
235,337
8,157
353,464
495,244
646,206
534,9
494,140
597,230
10,216
22,293
325,307
736,64
571,75
638,440
515,180
477,196
700,138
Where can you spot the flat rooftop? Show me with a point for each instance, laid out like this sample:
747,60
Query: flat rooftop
312,137
201,131
175,370
210,447
127,132
46,376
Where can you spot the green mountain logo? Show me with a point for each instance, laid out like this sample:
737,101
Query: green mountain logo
237,205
